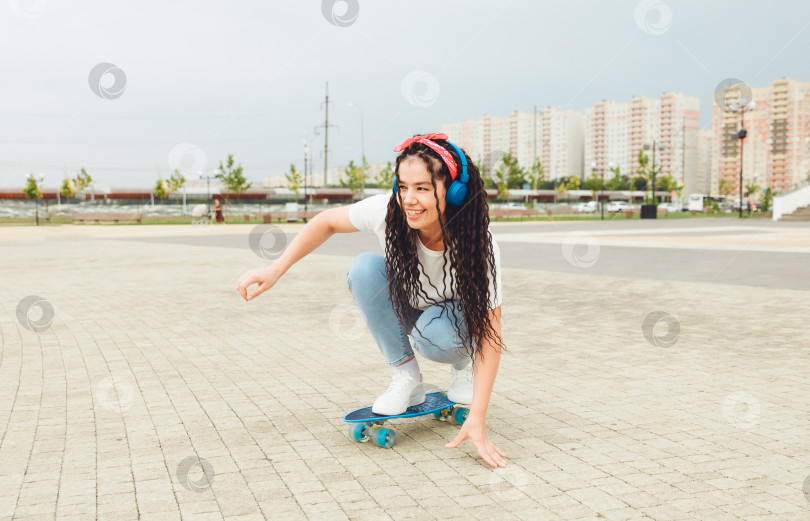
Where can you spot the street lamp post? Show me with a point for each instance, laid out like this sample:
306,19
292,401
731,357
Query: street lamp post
756,187
650,211
741,137
655,146
599,198
610,166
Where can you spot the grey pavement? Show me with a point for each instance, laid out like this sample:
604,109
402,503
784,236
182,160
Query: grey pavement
653,371
755,252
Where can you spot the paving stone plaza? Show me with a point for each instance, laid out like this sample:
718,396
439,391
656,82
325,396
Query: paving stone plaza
653,371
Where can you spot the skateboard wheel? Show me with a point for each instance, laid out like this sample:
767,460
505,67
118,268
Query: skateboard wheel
385,438
442,415
359,432
460,415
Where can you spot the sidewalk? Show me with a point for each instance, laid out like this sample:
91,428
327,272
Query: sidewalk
154,392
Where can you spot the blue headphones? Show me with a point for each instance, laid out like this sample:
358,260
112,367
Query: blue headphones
457,191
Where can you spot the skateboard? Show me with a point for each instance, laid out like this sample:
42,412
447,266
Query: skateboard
365,425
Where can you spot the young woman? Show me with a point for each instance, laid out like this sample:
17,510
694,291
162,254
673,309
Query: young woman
439,280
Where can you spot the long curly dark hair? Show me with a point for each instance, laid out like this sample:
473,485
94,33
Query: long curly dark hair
467,244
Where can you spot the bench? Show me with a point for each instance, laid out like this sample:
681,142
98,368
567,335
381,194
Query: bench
107,217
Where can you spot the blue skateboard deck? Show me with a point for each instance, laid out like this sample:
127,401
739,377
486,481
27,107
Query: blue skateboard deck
368,426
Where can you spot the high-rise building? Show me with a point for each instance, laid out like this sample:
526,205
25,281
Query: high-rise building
562,139
552,135
701,181
669,126
777,146
679,130
496,139
469,135
607,127
643,129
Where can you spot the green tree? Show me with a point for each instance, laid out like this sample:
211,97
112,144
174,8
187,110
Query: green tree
232,177
561,188
648,173
536,174
176,181
594,184
573,183
679,191
485,169
638,183
615,182
509,174
385,177
160,189
481,165
294,180
751,189
666,183
31,189
767,199
364,167
725,187
82,180
355,178
67,189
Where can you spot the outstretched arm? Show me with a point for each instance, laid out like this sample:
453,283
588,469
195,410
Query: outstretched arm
485,370
314,233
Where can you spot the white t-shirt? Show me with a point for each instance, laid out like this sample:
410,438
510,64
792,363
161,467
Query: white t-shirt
369,215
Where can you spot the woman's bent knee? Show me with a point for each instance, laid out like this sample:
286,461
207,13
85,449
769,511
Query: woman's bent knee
366,272
443,348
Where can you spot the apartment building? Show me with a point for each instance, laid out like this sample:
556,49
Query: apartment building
555,136
776,151
562,141
699,181
615,132
679,131
607,131
469,135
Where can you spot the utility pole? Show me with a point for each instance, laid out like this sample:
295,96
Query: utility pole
325,126
741,137
653,176
326,137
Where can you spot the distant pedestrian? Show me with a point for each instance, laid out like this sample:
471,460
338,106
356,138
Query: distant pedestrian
218,210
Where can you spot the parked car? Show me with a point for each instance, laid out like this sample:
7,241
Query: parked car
669,207
589,207
618,206
514,206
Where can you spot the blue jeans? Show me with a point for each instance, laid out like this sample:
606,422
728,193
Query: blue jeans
435,336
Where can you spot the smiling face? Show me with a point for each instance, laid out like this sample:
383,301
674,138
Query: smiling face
417,194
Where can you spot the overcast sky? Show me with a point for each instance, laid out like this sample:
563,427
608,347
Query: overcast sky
204,79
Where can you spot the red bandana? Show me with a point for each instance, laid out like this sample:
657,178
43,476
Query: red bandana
426,140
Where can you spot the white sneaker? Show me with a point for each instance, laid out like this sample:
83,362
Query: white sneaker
404,391
461,385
